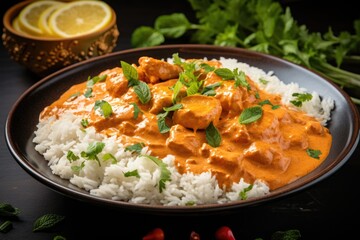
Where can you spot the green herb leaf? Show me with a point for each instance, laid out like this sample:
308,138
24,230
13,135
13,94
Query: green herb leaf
263,81
93,150
300,98
173,107
209,90
161,122
173,25
264,102
104,107
7,210
71,156
213,136
313,153
58,237
176,59
240,79
136,110
141,89
143,92
250,115
243,193
146,36
165,174
84,123
228,37
77,169
292,234
137,147
206,67
176,90
133,173
108,156
88,93
73,96
161,117
6,226
193,88
130,73
92,81
267,101
46,221
225,73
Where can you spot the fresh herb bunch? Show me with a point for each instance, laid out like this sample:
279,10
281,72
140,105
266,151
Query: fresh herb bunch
263,26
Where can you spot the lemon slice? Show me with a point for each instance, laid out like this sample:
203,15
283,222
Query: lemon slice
29,16
17,26
43,22
80,17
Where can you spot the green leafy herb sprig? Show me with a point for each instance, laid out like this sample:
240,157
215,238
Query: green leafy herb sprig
47,221
7,210
91,82
263,26
161,117
104,107
141,89
165,174
190,78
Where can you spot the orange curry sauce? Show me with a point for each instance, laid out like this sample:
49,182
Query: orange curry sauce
273,148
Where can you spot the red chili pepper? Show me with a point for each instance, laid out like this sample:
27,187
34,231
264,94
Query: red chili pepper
155,234
224,233
194,236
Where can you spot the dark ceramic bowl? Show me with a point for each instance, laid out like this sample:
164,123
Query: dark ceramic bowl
23,117
45,55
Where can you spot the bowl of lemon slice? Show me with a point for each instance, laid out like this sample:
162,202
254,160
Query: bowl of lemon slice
48,35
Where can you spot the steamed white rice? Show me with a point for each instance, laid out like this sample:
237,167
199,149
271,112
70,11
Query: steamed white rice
107,179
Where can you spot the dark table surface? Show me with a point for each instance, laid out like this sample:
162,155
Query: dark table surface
327,210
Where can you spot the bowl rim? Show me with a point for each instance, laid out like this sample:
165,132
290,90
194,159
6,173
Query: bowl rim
14,10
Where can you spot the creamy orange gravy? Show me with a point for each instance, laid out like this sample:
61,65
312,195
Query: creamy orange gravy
272,149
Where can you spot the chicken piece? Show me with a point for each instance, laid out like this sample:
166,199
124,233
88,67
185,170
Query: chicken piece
220,158
267,128
231,98
266,154
236,132
283,116
116,83
152,70
161,96
296,137
127,128
198,112
183,141
313,127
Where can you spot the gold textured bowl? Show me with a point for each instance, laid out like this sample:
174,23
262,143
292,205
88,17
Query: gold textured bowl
44,55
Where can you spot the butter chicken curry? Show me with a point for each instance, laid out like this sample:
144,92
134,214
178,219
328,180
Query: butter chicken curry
209,117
